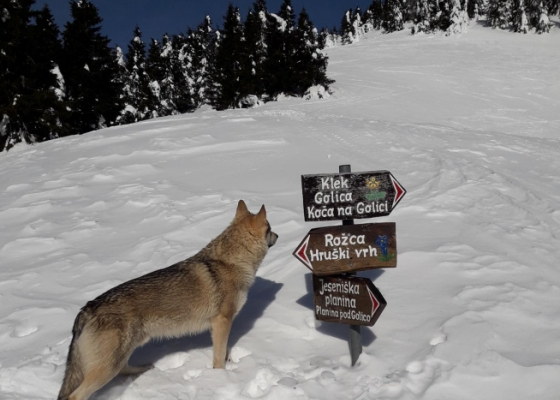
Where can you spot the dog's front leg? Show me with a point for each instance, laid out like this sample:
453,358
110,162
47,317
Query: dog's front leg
221,326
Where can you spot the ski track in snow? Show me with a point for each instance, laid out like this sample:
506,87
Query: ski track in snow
468,124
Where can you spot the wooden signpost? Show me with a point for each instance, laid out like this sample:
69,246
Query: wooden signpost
343,249
347,300
328,197
334,250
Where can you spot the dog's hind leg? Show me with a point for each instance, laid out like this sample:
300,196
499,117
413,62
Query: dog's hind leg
94,379
104,354
221,326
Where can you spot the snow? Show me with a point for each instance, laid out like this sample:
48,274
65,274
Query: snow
468,124
281,23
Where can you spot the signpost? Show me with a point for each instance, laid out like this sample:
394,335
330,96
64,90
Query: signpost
345,249
347,300
344,196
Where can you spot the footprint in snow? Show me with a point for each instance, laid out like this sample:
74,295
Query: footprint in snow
193,373
25,330
237,353
172,361
439,338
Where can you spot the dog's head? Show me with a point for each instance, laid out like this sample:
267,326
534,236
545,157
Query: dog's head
258,222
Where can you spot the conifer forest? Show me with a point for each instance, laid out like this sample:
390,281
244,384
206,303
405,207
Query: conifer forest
58,82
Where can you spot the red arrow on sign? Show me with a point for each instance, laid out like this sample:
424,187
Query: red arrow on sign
374,301
300,253
399,191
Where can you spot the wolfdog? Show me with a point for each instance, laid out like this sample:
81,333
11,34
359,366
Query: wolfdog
205,291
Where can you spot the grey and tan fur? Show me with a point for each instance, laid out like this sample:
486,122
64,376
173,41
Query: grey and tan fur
203,292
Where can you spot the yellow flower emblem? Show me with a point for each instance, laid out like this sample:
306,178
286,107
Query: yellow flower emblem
373,183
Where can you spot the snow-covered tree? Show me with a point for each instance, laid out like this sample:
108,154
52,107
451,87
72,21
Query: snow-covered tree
357,22
519,21
279,66
89,71
140,100
255,52
375,14
367,21
198,55
31,86
458,20
158,69
348,32
392,16
311,62
421,17
225,76
539,16
161,70
180,95
499,13
474,9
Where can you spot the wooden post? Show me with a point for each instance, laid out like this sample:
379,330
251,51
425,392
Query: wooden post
355,333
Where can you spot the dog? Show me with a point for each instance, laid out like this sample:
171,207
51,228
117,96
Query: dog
205,291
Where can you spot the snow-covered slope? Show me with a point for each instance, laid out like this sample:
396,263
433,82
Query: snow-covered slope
469,125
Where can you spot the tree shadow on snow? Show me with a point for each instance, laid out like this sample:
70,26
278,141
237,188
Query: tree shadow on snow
340,331
260,296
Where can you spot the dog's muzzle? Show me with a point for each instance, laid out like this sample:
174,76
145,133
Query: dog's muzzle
272,238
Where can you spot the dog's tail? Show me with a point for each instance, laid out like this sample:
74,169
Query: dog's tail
74,374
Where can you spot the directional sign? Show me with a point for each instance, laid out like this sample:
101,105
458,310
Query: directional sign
328,197
347,248
347,300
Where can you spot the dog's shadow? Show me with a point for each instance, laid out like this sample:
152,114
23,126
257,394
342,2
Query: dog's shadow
260,296
340,331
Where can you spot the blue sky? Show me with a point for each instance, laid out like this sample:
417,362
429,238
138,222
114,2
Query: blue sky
156,17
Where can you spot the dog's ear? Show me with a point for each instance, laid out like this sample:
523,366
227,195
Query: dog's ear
241,210
261,216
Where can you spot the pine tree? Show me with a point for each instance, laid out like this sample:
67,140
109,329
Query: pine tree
367,18
139,98
327,39
499,13
519,21
392,16
444,18
156,70
288,15
404,7
198,50
254,55
375,14
473,9
180,89
31,88
311,62
357,22
539,17
225,76
421,17
162,67
552,7
121,78
16,18
89,71
279,65
458,19
347,30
